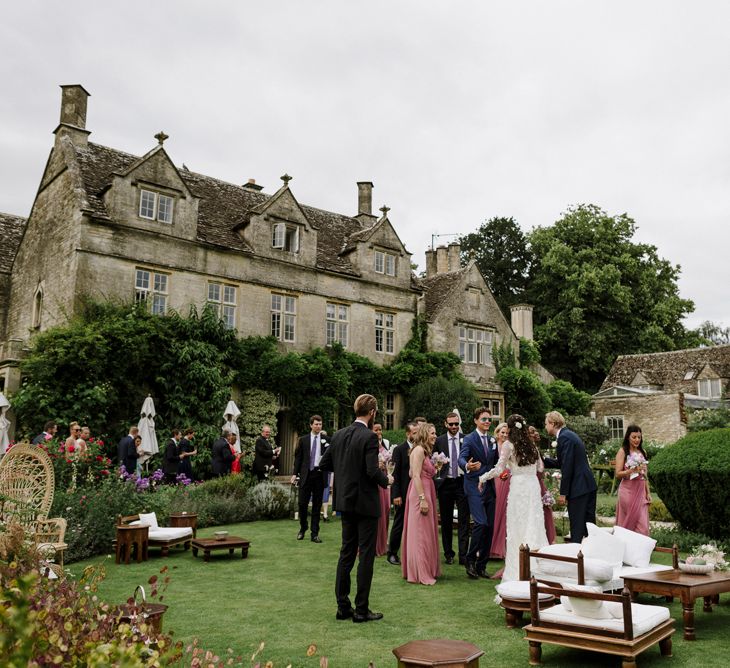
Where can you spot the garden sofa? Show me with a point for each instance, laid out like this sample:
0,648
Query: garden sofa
162,537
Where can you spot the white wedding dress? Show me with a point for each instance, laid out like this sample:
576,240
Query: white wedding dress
525,516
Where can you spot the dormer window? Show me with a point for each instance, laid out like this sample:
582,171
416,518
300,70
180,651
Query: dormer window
385,263
285,237
689,375
155,206
709,388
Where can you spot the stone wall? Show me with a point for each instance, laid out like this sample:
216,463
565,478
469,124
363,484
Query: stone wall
660,416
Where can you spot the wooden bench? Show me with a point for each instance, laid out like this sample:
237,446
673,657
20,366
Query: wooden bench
615,636
155,541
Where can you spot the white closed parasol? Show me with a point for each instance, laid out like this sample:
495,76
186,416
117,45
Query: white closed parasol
146,428
4,424
231,415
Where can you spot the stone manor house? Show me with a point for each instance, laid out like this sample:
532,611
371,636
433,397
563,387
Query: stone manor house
113,225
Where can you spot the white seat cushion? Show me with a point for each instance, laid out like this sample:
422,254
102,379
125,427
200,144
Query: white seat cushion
518,590
149,519
602,545
638,547
644,617
169,533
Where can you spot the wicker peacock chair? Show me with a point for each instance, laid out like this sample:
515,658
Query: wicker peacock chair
26,484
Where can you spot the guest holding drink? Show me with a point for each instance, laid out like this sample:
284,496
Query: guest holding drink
632,509
420,530
384,459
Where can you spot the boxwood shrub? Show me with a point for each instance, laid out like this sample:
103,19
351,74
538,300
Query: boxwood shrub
692,477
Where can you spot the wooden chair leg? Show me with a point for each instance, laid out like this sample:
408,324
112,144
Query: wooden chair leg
665,646
535,653
628,662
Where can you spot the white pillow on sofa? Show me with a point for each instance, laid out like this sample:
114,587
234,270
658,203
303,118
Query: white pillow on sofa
638,547
602,545
594,528
149,519
594,569
586,607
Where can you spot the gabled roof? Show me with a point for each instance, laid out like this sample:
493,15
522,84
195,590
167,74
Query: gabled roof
11,234
223,207
438,289
668,369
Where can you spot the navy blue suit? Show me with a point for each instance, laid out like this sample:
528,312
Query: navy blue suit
577,483
481,504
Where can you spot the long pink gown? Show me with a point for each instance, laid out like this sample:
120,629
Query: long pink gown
381,542
420,532
547,511
499,533
632,509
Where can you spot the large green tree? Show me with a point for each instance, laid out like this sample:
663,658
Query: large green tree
598,294
503,255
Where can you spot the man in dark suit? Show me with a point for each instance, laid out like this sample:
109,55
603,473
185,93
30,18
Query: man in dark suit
171,460
307,456
353,456
450,488
221,455
479,455
401,479
263,460
577,484
127,452
49,431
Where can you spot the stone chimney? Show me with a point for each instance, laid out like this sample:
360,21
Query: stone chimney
430,263
442,260
454,256
252,185
73,114
365,198
521,315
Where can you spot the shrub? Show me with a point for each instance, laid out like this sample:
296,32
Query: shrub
567,399
685,540
435,397
272,501
397,436
591,432
702,419
658,512
524,394
692,477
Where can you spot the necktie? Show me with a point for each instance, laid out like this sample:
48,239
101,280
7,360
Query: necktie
485,445
454,458
313,453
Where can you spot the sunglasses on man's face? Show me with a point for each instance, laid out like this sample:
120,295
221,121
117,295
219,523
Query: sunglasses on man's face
485,419
452,424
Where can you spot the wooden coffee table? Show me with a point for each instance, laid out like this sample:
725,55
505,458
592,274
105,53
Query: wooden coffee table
684,586
230,543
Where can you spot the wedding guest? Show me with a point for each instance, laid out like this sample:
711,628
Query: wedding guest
327,491
310,477
172,457
381,544
74,433
127,452
501,488
420,528
140,454
49,431
547,510
221,455
188,449
263,462
401,477
353,456
632,509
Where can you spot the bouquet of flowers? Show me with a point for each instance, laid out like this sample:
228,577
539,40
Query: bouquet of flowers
708,553
548,499
384,457
438,459
634,461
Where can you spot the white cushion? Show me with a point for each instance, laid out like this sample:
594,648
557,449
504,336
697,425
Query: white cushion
586,607
150,519
169,533
593,569
638,547
518,590
651,568
644,618
594,529
561,549
602,545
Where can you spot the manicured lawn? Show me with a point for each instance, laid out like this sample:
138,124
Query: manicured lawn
283,594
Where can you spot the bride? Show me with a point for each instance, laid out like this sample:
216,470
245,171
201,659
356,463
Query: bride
525,517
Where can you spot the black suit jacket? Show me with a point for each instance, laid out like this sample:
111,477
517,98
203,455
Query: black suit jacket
572,460
401,471
222,457
353,456
172,457
302,455
264,455
442,445
128,454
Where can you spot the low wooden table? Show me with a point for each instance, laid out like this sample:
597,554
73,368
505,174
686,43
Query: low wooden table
129,537
185,520
684,586
230,543
438,652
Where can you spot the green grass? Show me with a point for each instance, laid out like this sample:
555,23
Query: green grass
283,594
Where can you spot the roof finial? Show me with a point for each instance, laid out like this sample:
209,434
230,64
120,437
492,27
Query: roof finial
286,178
160,137
385,210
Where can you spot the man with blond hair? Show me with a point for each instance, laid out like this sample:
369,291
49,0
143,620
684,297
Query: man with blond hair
353,456
577,484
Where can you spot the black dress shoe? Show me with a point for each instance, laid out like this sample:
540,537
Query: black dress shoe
345,614
449,560
462,561
369,617
471,571
393,559
316,539
483,574
300,535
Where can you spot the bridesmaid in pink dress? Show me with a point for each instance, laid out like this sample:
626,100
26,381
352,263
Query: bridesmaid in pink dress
420,530
381,542
534,435
632,509
501,486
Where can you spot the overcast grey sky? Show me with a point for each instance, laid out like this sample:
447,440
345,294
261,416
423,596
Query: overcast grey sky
457,111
